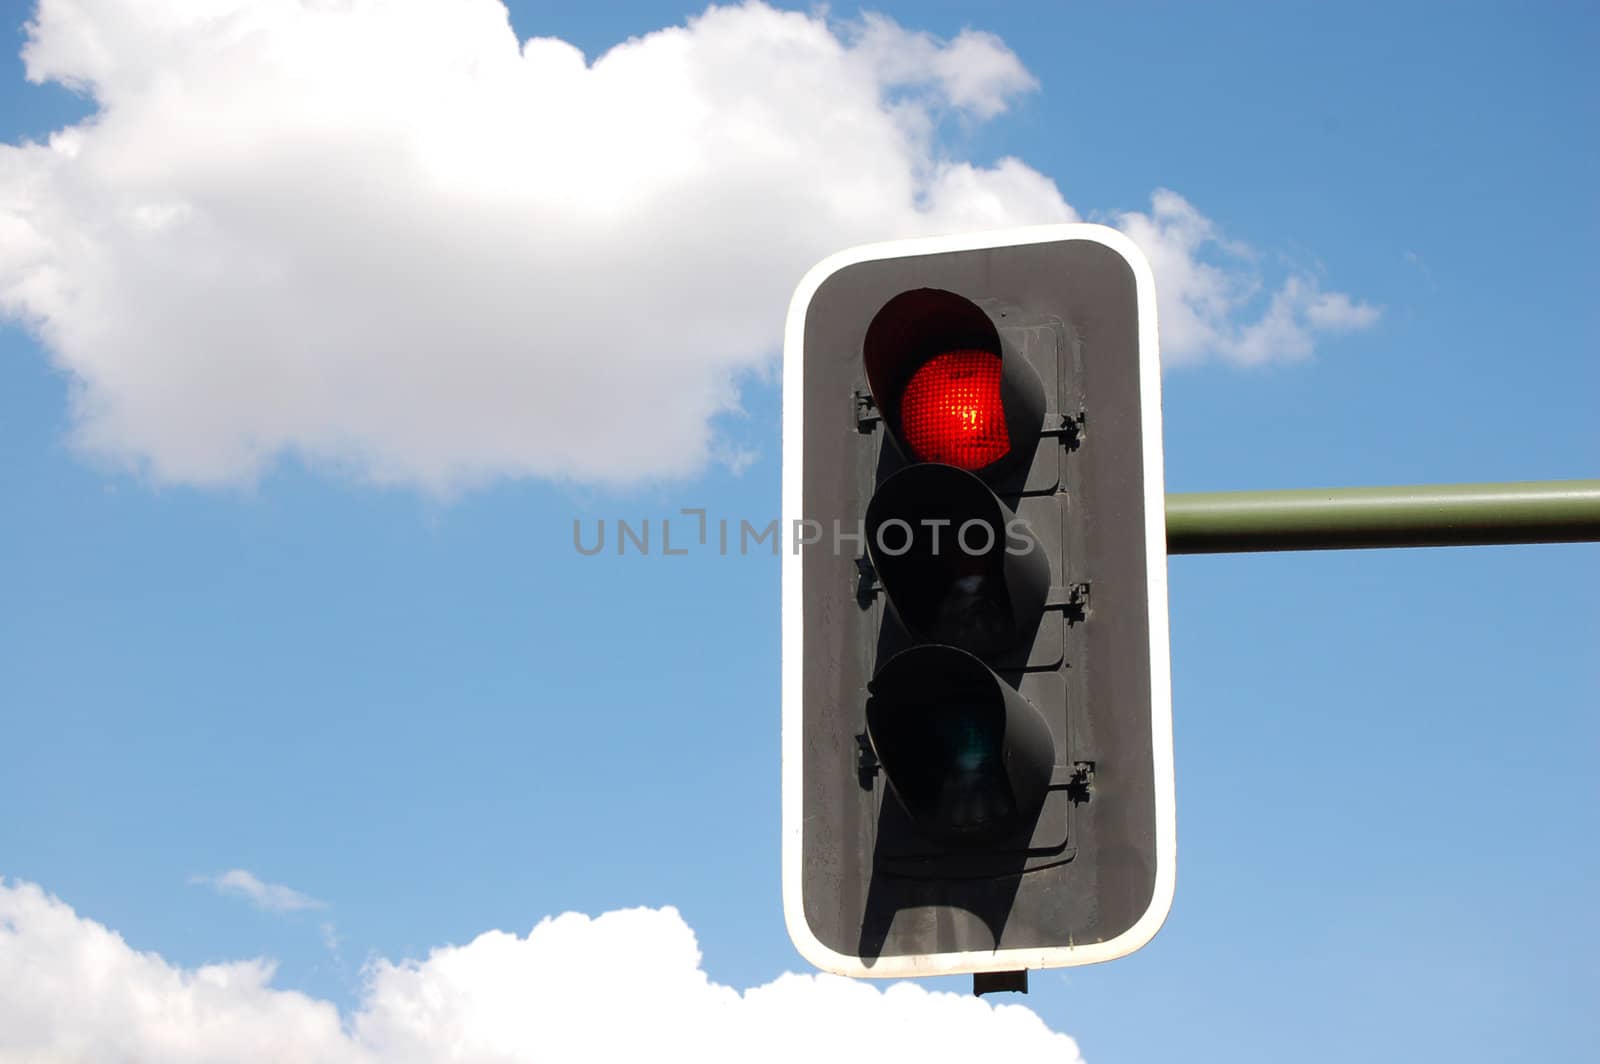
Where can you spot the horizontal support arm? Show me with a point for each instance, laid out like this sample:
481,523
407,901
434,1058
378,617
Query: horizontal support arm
1436,515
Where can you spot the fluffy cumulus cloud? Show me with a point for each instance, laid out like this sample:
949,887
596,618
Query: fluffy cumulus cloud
72,990
391,237
1205,283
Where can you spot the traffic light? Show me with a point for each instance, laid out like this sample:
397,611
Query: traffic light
977,740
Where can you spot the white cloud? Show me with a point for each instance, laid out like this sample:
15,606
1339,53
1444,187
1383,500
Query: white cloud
388,237
72,990
273,897
331,940
1205,283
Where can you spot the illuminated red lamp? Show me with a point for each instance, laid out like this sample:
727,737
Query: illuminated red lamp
951,411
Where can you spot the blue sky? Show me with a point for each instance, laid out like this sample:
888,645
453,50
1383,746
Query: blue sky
287,581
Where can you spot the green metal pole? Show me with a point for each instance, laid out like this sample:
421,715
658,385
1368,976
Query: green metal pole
1438,515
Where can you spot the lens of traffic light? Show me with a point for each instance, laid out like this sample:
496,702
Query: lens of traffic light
966,755
937,371
958,565
951,411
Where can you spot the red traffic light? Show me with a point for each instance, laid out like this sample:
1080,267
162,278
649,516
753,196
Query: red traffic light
951,410
948,392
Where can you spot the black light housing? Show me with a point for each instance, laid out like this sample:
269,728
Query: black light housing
958,565
966,755
945,337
